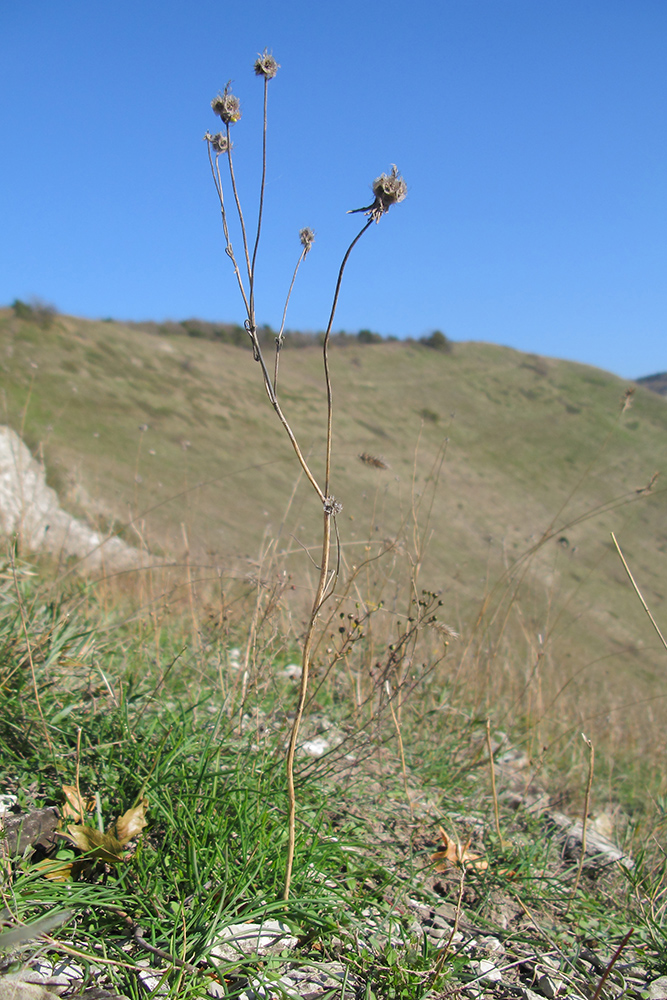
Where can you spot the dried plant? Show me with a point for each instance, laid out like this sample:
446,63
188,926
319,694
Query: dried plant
388,190
373,460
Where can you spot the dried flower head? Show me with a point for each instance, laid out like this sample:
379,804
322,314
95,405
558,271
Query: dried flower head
388,189
332,506
227,106
627,400
266,65
373,460
307,237
219,142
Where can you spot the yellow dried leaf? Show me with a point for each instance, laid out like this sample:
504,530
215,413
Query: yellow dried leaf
55,871
75,806
102,845
456,855
58,871
131,823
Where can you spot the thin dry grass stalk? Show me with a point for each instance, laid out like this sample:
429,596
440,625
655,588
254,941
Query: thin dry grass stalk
494,792
584,819
614,958
388,189
638,591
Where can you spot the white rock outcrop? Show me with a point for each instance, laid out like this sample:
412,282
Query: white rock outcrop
30,509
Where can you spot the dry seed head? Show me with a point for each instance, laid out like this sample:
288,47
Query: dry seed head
373,460
219,142
389,189
307,237
446,630
332,506
227,107
266,65
627,400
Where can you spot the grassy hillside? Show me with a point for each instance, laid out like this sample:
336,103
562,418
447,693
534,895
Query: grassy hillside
168,440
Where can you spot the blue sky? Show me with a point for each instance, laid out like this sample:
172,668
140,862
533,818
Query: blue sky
531,134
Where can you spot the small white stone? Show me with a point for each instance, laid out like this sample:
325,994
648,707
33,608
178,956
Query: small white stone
657,990
547,987
315,747
529,994
248,939
488,971
491,945
6,803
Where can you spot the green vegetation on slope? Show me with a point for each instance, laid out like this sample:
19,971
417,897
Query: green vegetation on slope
171,442
152,709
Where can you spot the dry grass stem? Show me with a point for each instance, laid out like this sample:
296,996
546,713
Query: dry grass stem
638,591
401,750
584,819
494,793
614,959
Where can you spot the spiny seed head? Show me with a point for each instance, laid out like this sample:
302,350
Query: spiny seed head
219,142
307,237
389,189
266,65
227,107
332,506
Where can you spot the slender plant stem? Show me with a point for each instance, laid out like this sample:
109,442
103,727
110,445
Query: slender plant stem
303,690
397,727
325,352
241,219
279,336
584,819
638,591
614,958
492,768
324,570
217,180
261,200
438,967
82,818
295,444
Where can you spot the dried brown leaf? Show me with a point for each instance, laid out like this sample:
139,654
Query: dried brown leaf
456,855
75,806
373,460
58,871
131,823
102,845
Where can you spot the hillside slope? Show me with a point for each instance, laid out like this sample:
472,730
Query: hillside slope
168,439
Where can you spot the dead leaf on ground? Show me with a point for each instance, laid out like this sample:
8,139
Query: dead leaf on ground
456,855
56,870
107,847
75,806
131,823
89,840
